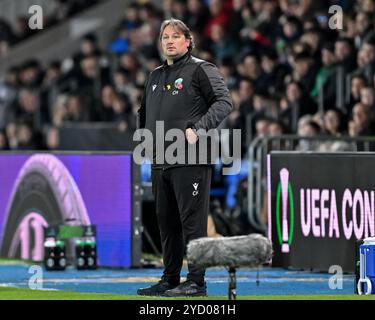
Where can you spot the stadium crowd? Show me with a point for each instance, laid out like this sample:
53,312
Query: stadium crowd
280,59
13,32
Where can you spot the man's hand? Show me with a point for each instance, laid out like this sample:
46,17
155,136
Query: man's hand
191,136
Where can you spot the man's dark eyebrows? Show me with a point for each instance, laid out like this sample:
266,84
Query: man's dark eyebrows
174,33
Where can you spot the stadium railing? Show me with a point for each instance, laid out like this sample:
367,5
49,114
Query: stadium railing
260,147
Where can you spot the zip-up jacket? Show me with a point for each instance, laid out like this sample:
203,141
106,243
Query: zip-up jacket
190,93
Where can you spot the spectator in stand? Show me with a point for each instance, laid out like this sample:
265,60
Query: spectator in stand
297,104
76,109
58,111
220,11
26,107
237,21
334,124
8,94
88,46
303,9
121,82
349,26
135,100
4,145
246,92
52,139
131,22
368,97
132,19
228,71
368,55
198,15
179,10
363,24
305,70
222,46
121,110
272,77
325,78
311,24
31,74
26,137
358,81
345,54
368,6
243,108
129,63
250,68
308,129
314,39
362,121
50,86
275,128
261,127
108,98
291,29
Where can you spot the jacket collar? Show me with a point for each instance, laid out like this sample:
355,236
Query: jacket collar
178,62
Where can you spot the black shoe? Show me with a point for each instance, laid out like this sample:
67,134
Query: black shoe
157,289
189,288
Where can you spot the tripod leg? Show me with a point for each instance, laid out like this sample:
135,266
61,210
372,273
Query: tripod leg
232,284
150,241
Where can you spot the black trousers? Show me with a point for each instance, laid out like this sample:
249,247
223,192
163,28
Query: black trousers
182,197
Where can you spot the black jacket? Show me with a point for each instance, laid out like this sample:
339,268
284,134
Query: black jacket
190,93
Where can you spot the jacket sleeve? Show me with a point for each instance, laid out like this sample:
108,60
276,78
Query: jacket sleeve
141,117
216,95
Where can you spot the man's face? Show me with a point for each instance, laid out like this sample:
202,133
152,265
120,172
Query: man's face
328,57
293,92
267,64
28,100
301,67
357,85
342,50
360,115
89,66
245,90
331,121
367,96
274,130
368,52
362,22
174,44
261,128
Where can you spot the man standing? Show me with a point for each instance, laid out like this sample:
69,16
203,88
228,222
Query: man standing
189,94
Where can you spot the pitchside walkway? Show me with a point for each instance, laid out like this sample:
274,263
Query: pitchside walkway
272,281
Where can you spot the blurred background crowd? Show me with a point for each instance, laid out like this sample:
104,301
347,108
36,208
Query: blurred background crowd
279,58
288,71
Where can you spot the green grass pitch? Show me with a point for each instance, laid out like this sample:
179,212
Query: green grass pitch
7,293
